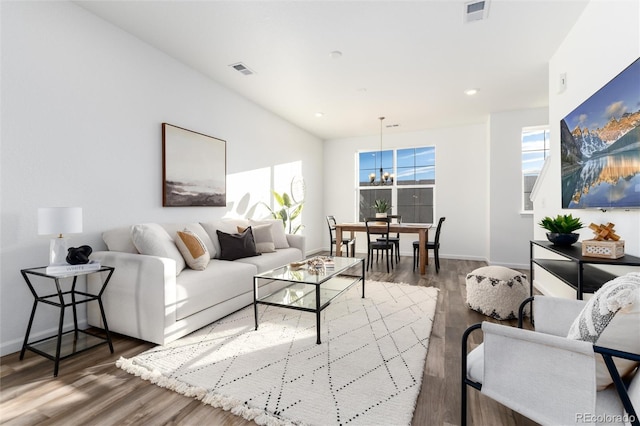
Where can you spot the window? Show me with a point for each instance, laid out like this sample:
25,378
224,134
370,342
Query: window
411,193
535,150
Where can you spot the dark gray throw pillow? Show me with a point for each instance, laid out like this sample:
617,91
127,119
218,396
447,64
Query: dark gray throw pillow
236,246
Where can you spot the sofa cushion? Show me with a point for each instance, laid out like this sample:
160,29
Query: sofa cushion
279,234
193,250
219,282
273,260
151,239
194,227
263,237
237,246
119,239
611,318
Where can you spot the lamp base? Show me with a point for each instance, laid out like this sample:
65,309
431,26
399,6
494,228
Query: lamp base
58,251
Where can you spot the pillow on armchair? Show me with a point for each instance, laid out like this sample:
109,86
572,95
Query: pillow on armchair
611,318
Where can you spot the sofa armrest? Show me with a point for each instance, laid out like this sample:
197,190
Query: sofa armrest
544,377
140,298
297,241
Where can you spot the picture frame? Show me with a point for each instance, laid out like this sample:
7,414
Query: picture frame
194,168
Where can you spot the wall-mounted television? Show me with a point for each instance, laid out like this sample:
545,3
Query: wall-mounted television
600,147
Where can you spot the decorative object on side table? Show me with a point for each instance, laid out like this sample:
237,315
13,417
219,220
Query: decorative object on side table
59,221
606,243
79,255
561,229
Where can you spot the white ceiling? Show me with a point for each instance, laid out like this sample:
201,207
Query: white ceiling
407,60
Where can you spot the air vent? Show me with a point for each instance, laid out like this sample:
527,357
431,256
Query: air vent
392,125
242,68
476,10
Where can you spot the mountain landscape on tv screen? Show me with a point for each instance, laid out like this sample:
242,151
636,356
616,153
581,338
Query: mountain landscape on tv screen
600,146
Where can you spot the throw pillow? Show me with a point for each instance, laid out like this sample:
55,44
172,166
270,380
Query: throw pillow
611,318
151,239
263,237
225,225
119,239
277,229
193,250
236,246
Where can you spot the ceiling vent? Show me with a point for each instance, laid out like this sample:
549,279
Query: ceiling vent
476,10
242,68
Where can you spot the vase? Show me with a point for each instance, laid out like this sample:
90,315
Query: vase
562,240
381,215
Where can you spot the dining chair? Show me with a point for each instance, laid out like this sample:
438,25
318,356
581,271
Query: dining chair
433,245
395,240
346,241
373,239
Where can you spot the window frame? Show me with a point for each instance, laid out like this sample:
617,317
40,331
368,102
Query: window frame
546,152
394,187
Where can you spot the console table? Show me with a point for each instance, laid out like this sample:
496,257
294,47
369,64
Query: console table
576,270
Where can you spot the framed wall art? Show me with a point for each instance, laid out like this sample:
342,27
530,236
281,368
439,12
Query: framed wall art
194,169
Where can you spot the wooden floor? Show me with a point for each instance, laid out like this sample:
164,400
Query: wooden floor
90,390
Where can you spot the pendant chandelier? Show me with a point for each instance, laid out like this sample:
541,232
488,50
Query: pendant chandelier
385,177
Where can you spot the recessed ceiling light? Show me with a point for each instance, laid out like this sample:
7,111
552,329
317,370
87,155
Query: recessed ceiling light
471,92
336,54
319,114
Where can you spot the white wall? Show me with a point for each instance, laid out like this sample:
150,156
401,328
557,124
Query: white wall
604,41
461,185
509,229
82,107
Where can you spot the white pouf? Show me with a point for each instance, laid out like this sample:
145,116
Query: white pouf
497,291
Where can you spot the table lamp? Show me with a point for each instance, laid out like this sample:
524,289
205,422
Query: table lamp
59,221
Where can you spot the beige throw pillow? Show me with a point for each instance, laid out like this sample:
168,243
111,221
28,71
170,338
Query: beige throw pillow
263,237
193,250
611,318
277,229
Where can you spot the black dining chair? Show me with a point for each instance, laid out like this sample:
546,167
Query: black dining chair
395,240
433,245
346,241
381,227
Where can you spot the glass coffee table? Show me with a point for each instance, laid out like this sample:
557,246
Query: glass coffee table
309,289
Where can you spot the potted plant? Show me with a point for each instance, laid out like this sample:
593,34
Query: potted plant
561,229
381,207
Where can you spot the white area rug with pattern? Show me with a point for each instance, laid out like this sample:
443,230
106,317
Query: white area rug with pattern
367,370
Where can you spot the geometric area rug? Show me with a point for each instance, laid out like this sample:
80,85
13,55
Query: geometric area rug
367,370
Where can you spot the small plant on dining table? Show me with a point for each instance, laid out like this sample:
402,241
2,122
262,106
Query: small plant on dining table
381,206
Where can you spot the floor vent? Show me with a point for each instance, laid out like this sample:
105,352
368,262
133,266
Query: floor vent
476,10
240,67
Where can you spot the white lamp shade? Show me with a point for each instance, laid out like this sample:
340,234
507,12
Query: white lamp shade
59,220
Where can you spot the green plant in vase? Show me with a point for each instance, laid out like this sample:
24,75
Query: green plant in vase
561,229
381,207
289,207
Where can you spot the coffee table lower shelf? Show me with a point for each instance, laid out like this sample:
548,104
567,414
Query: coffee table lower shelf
305,296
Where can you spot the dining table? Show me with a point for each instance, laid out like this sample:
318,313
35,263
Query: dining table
422,229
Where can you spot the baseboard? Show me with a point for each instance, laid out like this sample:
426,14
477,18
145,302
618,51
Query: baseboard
15,345
511,265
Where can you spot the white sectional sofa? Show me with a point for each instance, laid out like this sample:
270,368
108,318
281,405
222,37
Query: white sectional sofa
155,297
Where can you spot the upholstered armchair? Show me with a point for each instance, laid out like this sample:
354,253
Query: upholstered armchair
556,374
